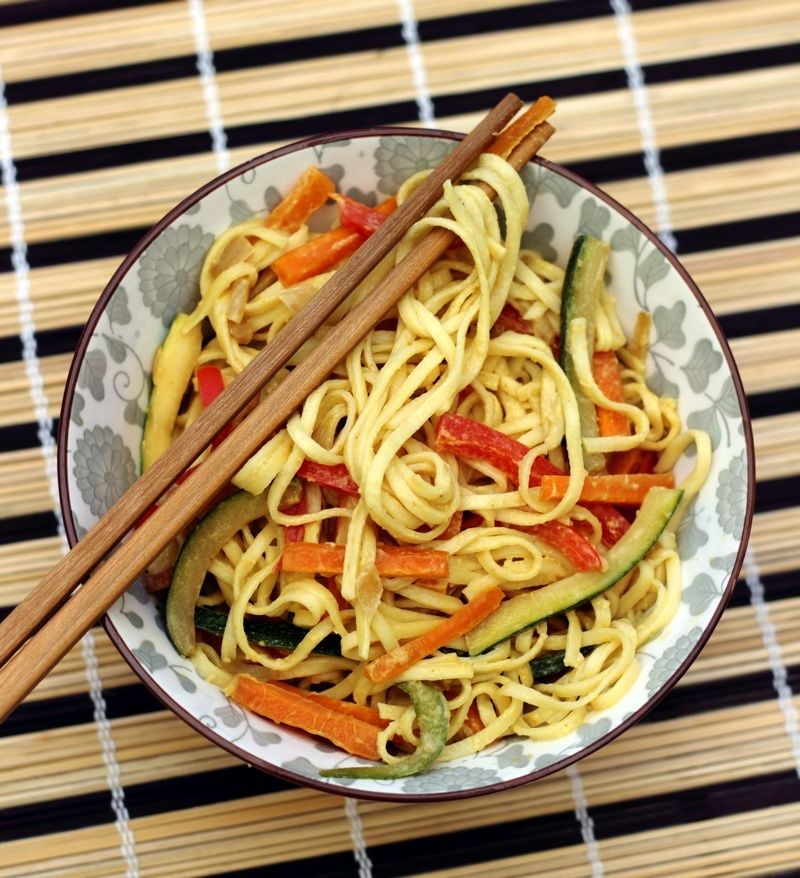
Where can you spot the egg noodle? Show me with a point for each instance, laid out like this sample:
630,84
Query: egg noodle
436,353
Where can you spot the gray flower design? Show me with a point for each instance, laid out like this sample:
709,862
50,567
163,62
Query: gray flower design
702,364
701,593
398,157
149,656
103,468
588,733
540,239
653,269
594,218
513,757
732,496
170,268
450,779
672,658
690,537
78,404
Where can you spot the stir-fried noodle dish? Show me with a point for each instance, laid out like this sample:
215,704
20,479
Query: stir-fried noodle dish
468,530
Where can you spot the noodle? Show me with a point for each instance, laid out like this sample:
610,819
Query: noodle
376,416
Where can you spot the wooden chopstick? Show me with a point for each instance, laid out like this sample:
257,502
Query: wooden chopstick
51,633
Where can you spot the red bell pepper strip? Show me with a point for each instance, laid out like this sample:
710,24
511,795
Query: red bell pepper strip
295,533
569,541
472,440
510,320
361,218
329,476
613,523
210,383
636,460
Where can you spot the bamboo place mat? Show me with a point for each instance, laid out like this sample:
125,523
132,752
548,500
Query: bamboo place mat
688,114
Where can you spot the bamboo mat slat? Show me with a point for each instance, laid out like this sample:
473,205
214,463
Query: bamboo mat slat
108,123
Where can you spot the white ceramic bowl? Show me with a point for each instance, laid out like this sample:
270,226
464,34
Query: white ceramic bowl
108,386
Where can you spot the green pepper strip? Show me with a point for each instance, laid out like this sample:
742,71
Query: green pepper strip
434,720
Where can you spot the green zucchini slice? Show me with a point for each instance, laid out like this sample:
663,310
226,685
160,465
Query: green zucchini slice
524,610
201,547
580,297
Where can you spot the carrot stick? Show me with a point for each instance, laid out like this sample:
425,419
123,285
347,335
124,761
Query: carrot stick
316,256
308,194
323,252
605,368
626,490
635,460
395,662
285,704
514,133
328,559
347,708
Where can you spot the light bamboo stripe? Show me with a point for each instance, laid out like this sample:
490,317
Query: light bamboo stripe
719,27
69,675
23,483
736,646
770,361
62,295
774,539
359,79
755,843
15,401
776,441
758,842
727,106
747,278
105,200
23,564
719,194
570,48
133,35
685,111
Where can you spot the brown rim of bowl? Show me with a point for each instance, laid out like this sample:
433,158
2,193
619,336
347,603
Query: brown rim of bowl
302,780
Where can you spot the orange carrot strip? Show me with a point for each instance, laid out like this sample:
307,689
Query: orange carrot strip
626,490
328,559
359,711
635,460
285,704
512,135
323,252
308,194
395,662
605,368
316,256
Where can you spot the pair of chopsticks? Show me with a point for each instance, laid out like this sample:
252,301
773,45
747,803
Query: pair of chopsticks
53,617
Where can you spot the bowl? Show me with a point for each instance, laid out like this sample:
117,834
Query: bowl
107,389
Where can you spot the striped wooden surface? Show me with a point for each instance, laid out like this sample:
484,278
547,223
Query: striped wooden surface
106,125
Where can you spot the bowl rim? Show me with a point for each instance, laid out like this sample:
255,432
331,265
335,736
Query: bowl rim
232,748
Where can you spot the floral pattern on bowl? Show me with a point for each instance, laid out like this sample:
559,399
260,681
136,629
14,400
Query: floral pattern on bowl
109,384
